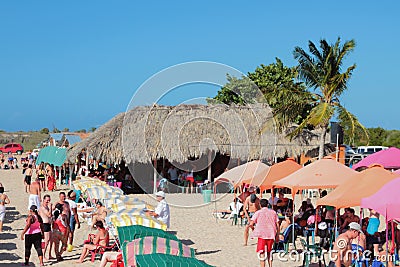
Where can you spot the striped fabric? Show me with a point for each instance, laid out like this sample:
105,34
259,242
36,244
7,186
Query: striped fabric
154,244
165,260
135,218
103,192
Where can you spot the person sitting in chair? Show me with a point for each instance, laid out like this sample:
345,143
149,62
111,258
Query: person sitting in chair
101,238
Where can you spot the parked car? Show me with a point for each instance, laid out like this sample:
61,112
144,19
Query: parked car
13,148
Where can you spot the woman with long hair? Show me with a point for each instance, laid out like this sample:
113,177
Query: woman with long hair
41,175
60,231
101,238
32,234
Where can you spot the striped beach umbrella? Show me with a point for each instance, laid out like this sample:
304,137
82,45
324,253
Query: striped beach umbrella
118,219
154,244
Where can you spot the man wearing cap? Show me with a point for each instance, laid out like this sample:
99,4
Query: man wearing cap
342,252
162,210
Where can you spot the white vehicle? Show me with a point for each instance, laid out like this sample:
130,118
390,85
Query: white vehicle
370,149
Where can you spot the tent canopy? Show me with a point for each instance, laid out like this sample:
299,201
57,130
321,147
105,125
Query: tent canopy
324,173
279,171
361,185
388,158
386,200
53,155
253,171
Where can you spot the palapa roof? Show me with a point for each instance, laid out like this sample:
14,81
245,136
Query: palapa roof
180,132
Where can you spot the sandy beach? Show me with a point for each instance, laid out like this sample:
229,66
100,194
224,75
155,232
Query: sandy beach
217,242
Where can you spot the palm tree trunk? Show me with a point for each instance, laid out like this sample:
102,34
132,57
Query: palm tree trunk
322,142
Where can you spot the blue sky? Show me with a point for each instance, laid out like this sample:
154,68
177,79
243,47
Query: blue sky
76,64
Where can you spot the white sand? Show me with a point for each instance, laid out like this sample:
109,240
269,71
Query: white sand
217,242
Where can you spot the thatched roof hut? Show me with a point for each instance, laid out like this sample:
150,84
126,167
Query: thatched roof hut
190,131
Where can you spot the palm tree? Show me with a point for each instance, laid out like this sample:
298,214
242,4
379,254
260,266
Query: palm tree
321,71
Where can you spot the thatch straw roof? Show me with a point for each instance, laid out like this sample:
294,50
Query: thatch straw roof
180,132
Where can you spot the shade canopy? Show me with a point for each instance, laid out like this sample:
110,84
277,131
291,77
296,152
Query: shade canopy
388,158
323,173
359,186
279,171
252,171
386,200
52,155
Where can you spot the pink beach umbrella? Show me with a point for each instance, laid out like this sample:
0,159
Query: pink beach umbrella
386,201
388,158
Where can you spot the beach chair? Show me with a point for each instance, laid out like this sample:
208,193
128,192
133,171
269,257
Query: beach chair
154,244
310,252
128,233
288,238
165,260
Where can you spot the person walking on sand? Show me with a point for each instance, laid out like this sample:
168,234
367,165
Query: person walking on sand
41,175
74,220
45,212
28,178
266,224
250,206
32,234
342,250
34,197
3,201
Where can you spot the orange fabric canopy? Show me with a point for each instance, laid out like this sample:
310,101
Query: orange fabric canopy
275,173
324,173
251,170
361,185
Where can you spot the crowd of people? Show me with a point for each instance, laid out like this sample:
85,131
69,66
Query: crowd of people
269,220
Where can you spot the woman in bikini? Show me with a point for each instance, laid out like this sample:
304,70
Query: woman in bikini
101,238
41,174
60,231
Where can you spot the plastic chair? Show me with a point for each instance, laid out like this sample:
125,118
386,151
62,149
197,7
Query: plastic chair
288,237
310,252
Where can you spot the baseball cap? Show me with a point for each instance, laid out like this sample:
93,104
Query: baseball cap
160,194
355,226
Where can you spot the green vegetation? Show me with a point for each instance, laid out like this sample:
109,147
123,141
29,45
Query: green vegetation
310,103
29,140
378,137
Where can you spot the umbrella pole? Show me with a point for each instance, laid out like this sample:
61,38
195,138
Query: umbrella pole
294,241
387,239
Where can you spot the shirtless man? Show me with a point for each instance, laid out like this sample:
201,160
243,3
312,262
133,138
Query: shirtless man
28,178
34,191
45,211
64,202
342,254
350,217
250,206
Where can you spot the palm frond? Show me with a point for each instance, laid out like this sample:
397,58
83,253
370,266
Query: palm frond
350,124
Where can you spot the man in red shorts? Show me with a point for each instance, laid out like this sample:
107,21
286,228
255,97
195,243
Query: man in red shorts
266,227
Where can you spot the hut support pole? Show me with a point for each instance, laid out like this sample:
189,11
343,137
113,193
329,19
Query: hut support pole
209,166
59,175
155,177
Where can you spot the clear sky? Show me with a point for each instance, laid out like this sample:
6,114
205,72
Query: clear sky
76,64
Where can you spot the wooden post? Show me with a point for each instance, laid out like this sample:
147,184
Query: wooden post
209,166
155,177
